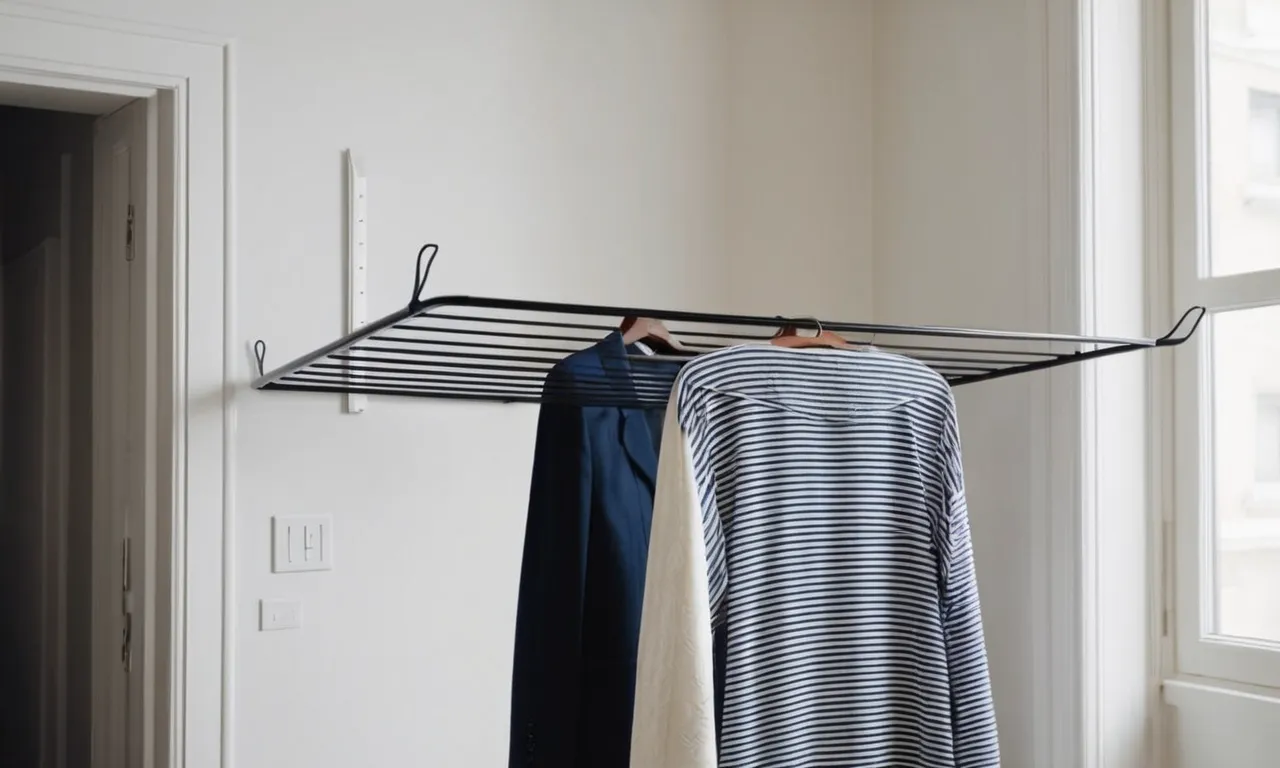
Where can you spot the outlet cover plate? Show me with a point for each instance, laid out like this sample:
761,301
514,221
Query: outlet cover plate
279,614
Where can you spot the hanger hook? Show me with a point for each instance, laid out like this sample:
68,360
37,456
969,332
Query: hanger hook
420,274
260,352
798,320
815,320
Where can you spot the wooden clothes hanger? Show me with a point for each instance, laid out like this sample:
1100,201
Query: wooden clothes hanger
789,336
653,332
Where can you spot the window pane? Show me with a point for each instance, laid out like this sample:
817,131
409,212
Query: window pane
1246,472
1264,136
1243,104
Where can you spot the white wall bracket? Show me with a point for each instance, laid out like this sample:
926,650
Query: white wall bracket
357,266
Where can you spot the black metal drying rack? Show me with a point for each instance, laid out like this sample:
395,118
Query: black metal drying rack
490,349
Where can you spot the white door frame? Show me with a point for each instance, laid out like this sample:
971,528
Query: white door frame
124,266
193,328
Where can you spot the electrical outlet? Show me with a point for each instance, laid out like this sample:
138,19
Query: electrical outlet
279,614
301,543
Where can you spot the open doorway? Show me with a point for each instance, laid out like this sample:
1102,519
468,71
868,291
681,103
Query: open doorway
160,408
73,358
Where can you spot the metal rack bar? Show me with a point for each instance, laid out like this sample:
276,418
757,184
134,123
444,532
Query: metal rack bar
503,350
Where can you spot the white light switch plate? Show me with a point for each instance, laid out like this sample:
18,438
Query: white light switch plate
301,543
279,614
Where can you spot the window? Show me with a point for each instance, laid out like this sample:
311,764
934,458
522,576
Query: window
1243,458
1266,467
1227,380
1262,18
1264,136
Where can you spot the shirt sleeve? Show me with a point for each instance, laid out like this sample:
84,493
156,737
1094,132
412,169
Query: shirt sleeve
973,721
674,720
547,667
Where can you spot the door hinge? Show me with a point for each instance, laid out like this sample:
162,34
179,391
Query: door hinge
126,603
128,235
126,558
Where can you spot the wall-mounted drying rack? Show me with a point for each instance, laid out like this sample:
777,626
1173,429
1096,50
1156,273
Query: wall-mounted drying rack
476,348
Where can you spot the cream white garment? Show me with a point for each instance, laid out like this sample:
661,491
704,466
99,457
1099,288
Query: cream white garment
674,723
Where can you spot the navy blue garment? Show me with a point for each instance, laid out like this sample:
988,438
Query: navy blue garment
582,577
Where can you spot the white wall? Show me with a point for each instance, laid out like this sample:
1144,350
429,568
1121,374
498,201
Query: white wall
799,140
559,149
556,150
977,223
953,246
713,153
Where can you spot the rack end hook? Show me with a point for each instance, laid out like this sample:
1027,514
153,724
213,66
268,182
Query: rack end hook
260,353
420,274
1176,335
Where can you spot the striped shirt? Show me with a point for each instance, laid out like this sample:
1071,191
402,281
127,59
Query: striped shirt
811,502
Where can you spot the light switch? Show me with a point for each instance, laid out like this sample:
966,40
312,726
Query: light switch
279,614
301,543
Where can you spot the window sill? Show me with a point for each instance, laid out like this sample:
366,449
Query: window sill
1220,724
1189,691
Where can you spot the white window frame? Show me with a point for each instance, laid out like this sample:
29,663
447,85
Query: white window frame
1198,651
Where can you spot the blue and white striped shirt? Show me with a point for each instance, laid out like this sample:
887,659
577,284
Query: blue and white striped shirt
812,502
